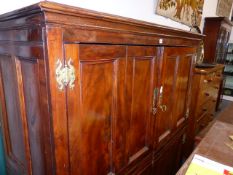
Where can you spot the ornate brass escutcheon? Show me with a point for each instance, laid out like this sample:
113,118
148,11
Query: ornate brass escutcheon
65,74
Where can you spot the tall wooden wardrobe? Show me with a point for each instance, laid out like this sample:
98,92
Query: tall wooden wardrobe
217,31
86,93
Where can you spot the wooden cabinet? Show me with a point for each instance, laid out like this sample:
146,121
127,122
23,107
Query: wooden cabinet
168,159
206,84
217,31
89,93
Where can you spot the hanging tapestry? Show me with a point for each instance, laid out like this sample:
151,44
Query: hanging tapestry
188,12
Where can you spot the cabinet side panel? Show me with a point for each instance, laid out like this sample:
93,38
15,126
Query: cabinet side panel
30,84
13,125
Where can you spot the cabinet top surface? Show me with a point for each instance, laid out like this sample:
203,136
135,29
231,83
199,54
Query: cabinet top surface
53,8
209,70
221,19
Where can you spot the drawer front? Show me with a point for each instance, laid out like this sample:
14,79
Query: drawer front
211,80
202,122
201,110
207,107
205,95
212,106
209,89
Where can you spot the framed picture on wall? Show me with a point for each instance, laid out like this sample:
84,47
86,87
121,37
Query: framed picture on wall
224,8
183,11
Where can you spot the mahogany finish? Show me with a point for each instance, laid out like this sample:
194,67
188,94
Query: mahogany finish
127,112
206,85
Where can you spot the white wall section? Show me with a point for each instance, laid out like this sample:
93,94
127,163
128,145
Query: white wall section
137,9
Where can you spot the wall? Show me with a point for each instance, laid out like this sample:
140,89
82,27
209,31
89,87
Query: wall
138,9
209,10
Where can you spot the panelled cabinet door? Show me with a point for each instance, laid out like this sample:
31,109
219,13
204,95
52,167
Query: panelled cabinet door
96,108
173,90
109,107
141,65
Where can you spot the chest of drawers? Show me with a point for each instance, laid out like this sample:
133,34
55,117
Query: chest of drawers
205,89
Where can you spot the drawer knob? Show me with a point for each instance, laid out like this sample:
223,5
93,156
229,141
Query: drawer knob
204,109
65,74
207,81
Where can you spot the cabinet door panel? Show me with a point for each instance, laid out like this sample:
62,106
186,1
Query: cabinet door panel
174,90
181,89
168,79
30,79
96,109
140,74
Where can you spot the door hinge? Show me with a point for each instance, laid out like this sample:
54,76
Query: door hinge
65,74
